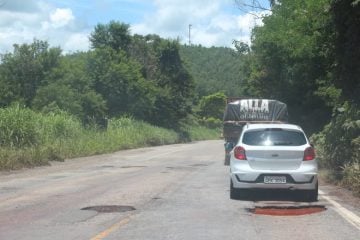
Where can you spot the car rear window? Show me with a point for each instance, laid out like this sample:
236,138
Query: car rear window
274,137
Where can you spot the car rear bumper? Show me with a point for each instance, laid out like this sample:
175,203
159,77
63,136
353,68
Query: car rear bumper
292,186
294,181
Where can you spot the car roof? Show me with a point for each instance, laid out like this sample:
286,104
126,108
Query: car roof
272,125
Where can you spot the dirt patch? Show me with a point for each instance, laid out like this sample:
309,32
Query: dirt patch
339,193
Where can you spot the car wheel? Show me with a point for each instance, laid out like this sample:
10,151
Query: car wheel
236,193
312,195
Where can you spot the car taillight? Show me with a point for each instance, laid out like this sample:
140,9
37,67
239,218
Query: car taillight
309,154
239,153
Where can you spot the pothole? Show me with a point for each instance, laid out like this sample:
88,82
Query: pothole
179,168
133,166
57,177
110,208
199,165
107,166
287,211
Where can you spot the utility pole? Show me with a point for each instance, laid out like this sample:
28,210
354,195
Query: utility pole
190,34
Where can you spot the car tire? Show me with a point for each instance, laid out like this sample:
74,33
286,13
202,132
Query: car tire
238,193
312,195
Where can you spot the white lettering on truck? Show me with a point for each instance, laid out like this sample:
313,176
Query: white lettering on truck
254,109
254,105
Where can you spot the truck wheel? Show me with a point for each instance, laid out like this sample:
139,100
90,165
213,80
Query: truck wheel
234,193
227,159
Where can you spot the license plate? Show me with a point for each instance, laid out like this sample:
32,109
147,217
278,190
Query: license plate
274,179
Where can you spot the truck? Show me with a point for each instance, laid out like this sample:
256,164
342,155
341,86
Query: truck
241,111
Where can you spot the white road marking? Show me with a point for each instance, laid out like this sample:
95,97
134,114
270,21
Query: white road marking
346,214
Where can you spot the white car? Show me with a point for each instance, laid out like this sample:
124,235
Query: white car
273,156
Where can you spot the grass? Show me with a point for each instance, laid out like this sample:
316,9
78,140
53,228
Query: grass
31,139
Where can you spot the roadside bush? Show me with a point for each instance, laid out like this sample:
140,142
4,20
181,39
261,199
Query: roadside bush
339,135
210,122
351,177
338,147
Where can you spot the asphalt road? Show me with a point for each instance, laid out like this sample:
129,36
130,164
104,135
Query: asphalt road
169,192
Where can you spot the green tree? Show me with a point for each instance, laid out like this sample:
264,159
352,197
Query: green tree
57,96
140,75
25,70
241,47
291,58
346,19
212,106
143,50
115,35
119,81
70,89
174,98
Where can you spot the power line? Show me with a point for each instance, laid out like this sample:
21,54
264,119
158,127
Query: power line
190,34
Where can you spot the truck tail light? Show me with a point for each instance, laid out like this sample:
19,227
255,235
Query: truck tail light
239,153
309,154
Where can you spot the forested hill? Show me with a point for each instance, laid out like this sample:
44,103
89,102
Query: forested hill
213,69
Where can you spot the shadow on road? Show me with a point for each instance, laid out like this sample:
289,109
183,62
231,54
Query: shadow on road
273,195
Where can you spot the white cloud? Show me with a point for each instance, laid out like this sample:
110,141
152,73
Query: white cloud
61,17
77,42
58,26
211,25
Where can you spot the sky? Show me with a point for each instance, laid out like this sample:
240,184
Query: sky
68,23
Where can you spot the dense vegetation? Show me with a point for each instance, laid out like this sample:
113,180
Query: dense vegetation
307,54
214,69
123,74
50,101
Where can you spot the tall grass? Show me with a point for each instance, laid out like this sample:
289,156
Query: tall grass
28,138
18,127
